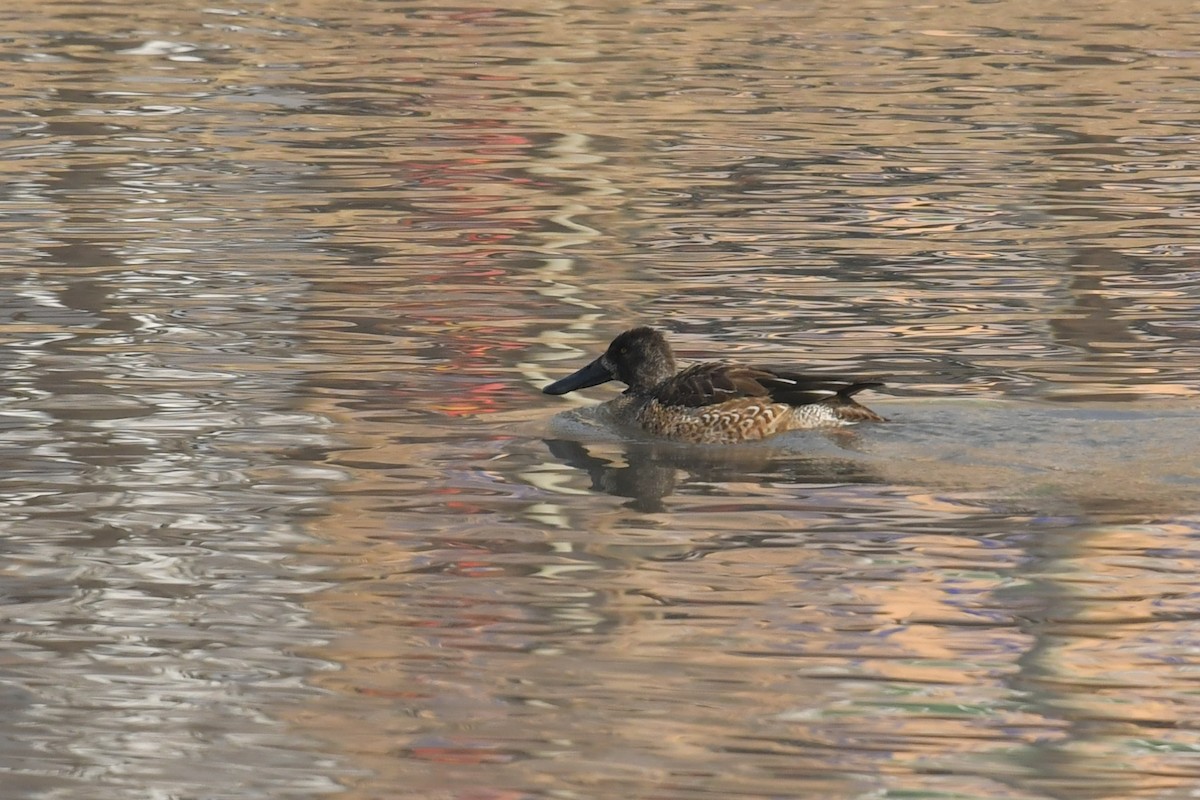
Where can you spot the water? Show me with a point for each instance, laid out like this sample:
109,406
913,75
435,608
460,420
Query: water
284,513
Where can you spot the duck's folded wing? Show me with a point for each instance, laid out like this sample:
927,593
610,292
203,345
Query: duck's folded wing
711,383
802,390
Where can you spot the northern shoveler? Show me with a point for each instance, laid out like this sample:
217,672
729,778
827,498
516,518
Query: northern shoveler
714,402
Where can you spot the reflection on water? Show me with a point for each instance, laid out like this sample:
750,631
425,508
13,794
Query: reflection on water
284,513
650,472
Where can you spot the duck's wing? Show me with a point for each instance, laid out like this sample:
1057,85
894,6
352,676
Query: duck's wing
712,383
796,389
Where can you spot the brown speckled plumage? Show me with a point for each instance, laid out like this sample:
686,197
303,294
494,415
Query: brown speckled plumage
713,402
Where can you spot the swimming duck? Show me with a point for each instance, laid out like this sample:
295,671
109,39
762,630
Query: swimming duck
714,402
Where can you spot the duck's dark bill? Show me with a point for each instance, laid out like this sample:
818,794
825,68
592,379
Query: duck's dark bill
592,375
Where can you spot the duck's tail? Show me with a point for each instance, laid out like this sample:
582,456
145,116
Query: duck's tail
849,409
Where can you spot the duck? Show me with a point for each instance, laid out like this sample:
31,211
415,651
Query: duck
714,402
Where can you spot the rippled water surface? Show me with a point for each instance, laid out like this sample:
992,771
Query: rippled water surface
284,513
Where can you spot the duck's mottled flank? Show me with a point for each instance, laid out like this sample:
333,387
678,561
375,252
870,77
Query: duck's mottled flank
714,402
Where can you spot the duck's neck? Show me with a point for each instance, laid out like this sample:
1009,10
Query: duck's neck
652,373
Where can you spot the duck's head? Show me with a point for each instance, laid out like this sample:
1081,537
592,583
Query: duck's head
639,358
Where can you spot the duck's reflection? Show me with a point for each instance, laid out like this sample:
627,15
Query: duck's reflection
648,472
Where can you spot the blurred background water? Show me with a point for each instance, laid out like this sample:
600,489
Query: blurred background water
285,515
